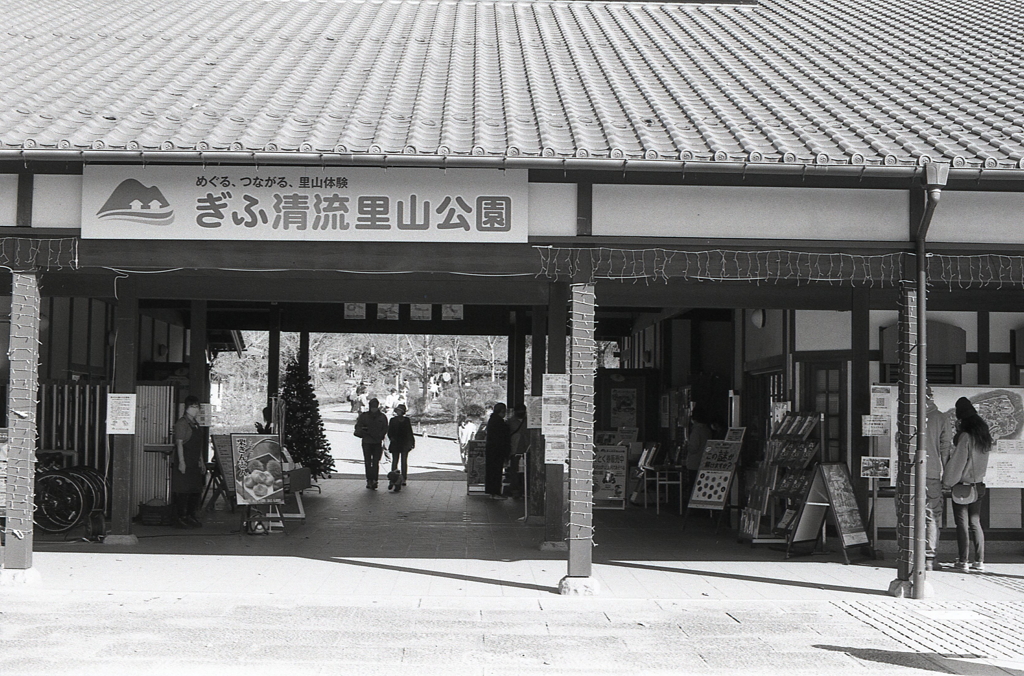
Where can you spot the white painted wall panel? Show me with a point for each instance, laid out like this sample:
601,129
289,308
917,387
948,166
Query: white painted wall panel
977,217
553,209
822,330
746,212
8,199
57,201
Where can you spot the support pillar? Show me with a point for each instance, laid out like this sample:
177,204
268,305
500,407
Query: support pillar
582,369
860,387
303,356
906,437
21,425
126,332
535,479
554,497
198,377
517,359
274,353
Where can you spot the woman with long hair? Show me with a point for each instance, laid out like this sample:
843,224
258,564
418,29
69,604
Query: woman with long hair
967,465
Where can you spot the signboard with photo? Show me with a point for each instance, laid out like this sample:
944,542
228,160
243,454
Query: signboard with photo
259,476
610,473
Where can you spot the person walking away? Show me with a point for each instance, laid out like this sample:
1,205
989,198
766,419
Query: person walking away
520,442
939,447
965,470
188,467
496,452
372,428
700,433
400,441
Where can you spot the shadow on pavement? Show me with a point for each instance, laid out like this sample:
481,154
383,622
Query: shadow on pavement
450,576
747,578
925,661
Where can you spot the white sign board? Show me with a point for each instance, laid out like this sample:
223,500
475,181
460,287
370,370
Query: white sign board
330,204
1006,465
874,425
556,450
120,414
555,406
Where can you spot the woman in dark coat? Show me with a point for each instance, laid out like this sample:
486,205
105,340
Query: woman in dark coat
400,441
497,451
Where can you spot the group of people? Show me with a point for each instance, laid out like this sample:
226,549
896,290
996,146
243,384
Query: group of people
374,428
958,465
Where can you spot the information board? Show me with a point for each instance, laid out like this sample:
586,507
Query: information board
714,476
120,413
222,454
844,503
610,473
475,460
256,462
1006,464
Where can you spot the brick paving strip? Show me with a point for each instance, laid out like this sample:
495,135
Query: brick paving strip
950,629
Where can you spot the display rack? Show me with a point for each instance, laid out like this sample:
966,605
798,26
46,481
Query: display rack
782,480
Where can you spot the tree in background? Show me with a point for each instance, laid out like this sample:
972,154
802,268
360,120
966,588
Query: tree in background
304,435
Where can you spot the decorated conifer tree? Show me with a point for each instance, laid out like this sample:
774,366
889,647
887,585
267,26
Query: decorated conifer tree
304,435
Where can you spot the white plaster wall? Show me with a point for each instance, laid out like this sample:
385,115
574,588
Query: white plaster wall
57,201
978,217
8,199
766,341
823,330
1000,324
751,212
999,374
880,319
968,321
552,209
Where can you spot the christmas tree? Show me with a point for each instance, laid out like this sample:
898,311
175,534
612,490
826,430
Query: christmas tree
303,427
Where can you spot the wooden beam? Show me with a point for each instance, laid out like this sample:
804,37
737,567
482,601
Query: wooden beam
535,479
126,330
554,497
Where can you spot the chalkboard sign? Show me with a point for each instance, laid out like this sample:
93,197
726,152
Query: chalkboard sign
222,454
844,504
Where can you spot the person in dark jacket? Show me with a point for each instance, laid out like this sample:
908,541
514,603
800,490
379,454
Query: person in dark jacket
188,467
496,451
400,441
372,428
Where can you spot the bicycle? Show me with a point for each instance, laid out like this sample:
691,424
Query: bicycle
65,498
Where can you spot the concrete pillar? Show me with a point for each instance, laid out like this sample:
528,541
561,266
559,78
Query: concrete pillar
582,370
126,357
21,423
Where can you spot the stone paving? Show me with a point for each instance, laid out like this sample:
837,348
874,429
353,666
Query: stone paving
434,580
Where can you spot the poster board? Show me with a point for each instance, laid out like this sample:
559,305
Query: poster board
258,475
610,476
224,460
844,504
121,413
5,447
475,463
714,476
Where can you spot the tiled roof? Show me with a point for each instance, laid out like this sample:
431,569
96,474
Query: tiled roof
807,81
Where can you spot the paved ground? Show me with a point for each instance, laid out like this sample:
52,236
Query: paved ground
434,580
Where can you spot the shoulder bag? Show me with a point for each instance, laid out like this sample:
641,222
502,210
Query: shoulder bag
965,494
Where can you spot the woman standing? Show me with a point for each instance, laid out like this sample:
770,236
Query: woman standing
401,441
967,465
188,465
497,451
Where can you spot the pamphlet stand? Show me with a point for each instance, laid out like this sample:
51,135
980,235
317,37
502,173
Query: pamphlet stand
782,479
714,478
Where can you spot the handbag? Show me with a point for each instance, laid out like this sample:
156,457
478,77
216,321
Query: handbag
964,494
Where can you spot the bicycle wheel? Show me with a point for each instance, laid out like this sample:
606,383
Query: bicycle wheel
92,489
59,503
100,483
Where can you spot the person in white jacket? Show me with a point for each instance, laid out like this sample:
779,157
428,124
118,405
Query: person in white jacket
967,465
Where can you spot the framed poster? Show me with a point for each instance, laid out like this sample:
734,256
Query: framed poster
387,311
610,473
259,477
355,310
624,405
421,312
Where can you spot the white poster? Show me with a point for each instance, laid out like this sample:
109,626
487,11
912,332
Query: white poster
387,311
330,204
610,472
556,450
534,412
121,414
451,312
355,310
421,312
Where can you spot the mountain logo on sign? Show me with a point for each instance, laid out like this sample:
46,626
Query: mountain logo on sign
132,201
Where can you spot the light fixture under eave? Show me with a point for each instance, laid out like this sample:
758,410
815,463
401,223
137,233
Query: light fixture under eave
757,318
